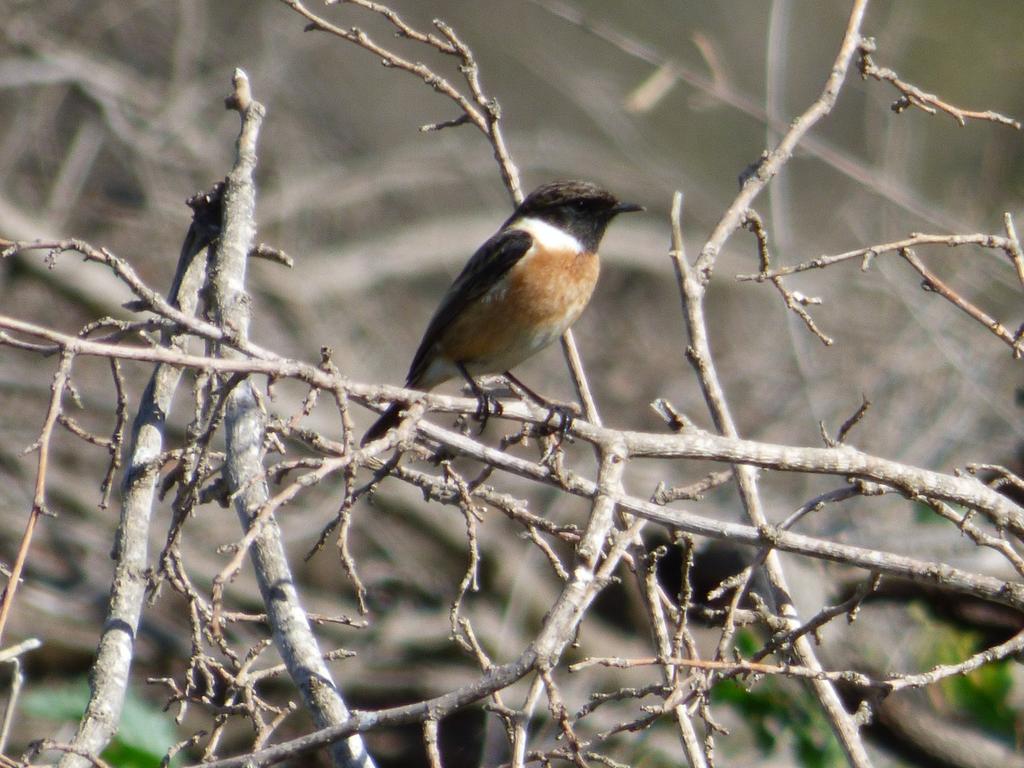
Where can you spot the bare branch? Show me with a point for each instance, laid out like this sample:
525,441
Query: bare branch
245,431
794,301
912,96
692,288
933,283
916,239
57,388
776,158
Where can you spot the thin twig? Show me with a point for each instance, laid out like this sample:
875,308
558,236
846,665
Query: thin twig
12,656
60,381
912,96
995,242
773,160
795,301
934,284
888,684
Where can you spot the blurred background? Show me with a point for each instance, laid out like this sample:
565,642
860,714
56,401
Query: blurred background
112,114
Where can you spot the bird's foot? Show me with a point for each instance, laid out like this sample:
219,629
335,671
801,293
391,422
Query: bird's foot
563,414
566,412
487,405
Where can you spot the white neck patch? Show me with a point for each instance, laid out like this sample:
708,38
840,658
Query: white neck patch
548,236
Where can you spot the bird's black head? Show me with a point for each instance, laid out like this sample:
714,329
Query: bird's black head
577,207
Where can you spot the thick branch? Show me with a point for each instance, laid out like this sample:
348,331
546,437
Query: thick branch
245,426
109,677
842,461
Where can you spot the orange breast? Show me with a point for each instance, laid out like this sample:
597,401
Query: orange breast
535,302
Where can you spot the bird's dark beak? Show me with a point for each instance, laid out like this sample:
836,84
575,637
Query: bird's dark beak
626,208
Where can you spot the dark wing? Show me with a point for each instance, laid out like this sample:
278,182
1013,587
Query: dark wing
487,266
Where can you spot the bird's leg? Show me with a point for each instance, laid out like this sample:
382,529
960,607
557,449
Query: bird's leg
487,404
565,412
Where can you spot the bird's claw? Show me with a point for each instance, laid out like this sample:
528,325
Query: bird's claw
566,414
487,405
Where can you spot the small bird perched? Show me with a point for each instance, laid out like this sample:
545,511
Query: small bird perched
520,291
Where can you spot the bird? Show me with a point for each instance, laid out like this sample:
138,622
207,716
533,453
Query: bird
521,290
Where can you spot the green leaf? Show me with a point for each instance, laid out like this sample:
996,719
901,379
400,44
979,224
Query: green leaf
143,739
982,696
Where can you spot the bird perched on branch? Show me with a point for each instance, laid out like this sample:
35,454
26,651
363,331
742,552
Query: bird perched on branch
520,291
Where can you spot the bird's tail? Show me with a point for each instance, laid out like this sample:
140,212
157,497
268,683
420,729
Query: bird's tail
388,419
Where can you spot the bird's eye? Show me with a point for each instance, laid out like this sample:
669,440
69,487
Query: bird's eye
580,205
